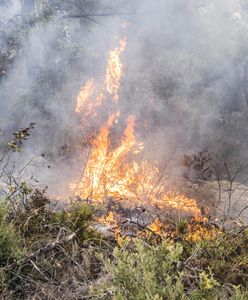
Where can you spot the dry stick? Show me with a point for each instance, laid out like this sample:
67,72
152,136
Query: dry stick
5,166
27,164
194,255
241,195
33,256
243,210
229,191
143,227
37,268
92,20
4,155
231,181
219,184
74,261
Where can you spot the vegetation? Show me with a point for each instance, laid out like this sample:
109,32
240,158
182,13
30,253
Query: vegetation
10,241
165,271
58,254
187,81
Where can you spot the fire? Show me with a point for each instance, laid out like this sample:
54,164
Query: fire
156,226
86,102
116,168
85,94
114,70
109,219
106,173
197,232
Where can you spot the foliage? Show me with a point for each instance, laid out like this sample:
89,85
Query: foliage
144,272
78,219
138,270
10,241
227,256
51,239
37,222
20,136
59,248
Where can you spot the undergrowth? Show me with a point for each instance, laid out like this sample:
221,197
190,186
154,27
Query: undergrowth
175,270
49,254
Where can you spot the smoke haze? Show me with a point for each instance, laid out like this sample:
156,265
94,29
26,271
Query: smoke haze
184,69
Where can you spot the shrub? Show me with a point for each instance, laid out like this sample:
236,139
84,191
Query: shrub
38,223
10,242
227,256
142,271
145,272
78,219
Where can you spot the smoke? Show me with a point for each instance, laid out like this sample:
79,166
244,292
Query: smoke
189,57
184,69
9,9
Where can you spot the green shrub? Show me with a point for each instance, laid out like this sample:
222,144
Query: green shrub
144,272
78,219
38,224
10,242
227,256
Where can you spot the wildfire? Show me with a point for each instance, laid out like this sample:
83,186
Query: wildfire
114,70
87,104
198,231
118,170
156,226
109,219
85,94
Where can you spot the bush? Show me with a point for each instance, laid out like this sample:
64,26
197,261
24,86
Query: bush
78,219
38,224
143,271
227,256
10,242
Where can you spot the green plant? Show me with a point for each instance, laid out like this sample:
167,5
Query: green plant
10,242
139,271
78,219
143,272
227,256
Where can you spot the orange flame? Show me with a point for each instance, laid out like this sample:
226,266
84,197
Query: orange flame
85,94
114,70
121,172
109,219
